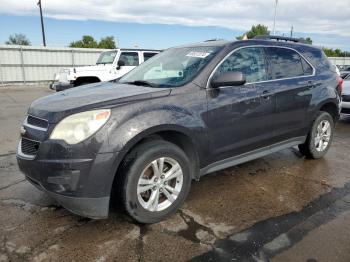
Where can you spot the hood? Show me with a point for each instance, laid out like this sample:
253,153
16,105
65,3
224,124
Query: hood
56,106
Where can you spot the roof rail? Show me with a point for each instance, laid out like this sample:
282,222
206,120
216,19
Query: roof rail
214,39
280,38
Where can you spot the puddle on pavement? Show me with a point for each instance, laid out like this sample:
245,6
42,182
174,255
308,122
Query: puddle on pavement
270,237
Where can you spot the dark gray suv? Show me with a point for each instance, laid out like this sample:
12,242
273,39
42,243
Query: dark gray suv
186,112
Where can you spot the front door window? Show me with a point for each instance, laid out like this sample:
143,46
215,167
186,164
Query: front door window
250,61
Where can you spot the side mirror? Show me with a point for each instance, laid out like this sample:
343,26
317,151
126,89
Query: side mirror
229,79
120,64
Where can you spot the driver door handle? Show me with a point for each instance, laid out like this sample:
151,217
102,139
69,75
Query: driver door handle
266,94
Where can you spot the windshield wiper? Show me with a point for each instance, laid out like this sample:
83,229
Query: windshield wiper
141,83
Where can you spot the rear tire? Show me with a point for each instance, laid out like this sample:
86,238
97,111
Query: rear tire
156,181
319,138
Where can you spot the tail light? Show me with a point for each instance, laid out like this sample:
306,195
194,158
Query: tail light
340,84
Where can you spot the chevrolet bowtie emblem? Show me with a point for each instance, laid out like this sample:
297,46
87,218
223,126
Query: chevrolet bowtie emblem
23,131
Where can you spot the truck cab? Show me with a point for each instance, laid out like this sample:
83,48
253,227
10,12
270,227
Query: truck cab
111,64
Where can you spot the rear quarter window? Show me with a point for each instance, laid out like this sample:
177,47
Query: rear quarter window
318,59
308,70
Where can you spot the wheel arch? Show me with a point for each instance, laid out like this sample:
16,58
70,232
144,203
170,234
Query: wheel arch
330,107
177,135
86,79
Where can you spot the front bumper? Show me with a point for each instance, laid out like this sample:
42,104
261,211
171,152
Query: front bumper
81,184
60,86
345,107
96,208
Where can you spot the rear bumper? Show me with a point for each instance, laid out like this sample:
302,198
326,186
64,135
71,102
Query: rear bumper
60,86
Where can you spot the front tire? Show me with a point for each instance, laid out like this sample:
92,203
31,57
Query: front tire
156,182
319,138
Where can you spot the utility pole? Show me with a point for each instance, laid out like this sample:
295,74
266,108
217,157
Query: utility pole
274,18
291,31
42,23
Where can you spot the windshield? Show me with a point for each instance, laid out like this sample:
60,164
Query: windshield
171,68
106,57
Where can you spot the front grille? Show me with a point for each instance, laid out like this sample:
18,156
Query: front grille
346,98
29,147
35,121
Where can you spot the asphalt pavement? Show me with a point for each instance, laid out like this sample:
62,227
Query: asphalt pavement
281,207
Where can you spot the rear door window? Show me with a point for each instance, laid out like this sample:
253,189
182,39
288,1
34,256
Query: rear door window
129,58
250,61
286,63
147,56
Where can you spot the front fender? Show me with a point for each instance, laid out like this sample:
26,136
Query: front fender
124,135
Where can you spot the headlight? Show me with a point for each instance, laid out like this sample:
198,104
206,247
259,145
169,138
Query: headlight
78,127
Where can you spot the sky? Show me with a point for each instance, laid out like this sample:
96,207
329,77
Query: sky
166,23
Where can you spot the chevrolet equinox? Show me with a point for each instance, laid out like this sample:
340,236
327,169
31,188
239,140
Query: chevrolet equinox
184,113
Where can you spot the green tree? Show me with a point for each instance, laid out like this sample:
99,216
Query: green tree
254,31
335,52
17,39
107,43
86,42
308,40
89,42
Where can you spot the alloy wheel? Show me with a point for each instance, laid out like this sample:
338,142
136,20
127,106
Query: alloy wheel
323,135
160,184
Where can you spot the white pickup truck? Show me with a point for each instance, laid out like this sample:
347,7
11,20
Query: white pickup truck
110,65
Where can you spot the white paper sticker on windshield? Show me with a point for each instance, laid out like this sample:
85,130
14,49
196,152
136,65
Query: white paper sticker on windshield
198,54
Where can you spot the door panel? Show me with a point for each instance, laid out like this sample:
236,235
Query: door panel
292,102
293,91
239,118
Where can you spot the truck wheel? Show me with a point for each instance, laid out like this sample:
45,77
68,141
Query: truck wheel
320,137
156,181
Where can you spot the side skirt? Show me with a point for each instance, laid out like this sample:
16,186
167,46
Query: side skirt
232,161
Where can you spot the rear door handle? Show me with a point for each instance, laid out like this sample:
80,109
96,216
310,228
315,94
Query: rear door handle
310,84
266,94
